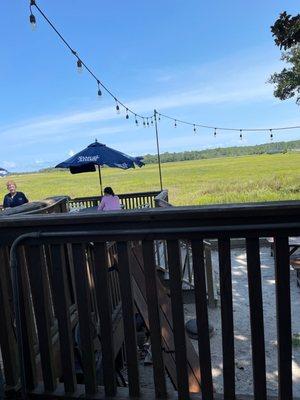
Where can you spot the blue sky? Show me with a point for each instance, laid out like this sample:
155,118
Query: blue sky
207,62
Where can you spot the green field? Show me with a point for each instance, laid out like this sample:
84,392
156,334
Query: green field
219,180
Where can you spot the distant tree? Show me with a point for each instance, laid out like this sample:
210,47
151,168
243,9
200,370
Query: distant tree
286,31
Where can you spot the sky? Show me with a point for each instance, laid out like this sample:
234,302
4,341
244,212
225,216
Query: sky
206,62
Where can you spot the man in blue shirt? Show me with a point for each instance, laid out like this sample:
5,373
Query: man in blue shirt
13,198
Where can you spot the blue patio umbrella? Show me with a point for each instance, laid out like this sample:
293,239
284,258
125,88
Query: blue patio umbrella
99,154
3,172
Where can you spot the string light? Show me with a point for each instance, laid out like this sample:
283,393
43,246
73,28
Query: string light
32,19
136,120
241,135
79,66
99,90
215,132
117,107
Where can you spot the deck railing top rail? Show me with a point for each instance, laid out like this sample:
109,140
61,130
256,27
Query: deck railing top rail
207,220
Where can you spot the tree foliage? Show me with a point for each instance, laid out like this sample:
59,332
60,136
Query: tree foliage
267,148
286,31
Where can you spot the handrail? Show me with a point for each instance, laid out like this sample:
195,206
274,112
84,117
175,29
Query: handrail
45,206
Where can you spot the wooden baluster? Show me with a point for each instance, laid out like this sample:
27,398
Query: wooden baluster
40,295
27,321
85,321
129,318
256,319
62,307
178,318
283,308
227,318
104,309
154,318
7,335
202,319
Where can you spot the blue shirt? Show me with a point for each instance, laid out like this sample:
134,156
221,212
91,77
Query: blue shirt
17,199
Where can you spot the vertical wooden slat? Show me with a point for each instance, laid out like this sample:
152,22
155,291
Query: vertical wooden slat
38,282
227,318
202,319
8,342
128,317
283,308
178,318
27,322
256,319
104,309
84,314
62,305
154,318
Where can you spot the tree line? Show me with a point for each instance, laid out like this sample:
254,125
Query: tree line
267,148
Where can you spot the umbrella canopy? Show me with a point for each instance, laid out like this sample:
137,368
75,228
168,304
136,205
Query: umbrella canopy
3,172
99,154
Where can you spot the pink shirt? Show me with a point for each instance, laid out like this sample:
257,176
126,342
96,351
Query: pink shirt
109,203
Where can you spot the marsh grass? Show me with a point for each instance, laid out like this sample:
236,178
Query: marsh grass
220,180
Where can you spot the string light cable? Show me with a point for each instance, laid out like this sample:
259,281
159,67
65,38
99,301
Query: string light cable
177,121
144,119
81,64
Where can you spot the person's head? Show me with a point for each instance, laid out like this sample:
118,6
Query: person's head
11,187
108,191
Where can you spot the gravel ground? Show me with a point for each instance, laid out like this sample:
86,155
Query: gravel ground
243,360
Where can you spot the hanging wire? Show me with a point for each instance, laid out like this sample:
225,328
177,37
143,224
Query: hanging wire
80,62
220,128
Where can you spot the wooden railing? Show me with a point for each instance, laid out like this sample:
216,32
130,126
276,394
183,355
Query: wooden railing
128,200
47,206
47,278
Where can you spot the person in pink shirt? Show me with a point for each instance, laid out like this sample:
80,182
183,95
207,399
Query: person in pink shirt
109,201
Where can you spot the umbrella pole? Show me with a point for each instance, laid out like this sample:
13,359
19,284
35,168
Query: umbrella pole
158,152
100,180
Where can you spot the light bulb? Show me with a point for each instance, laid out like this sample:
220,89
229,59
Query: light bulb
32,21
79,66
215,132
144,123
136,121
118,108
194,129
127,116
175,124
